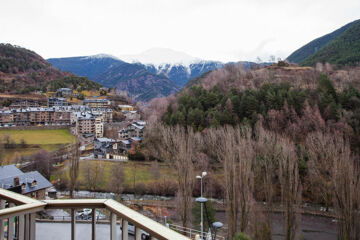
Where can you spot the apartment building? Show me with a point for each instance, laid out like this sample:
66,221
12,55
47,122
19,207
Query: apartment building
24,102
99,127
97,103
49,115
57,102
126,108
88,123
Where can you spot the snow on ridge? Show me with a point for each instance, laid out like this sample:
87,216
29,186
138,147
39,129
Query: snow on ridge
165,68
101,55
161,56
164,59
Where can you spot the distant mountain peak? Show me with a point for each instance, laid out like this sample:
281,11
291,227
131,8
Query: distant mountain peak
161,56
101,55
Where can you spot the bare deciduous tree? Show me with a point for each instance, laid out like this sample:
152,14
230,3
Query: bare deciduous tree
42,162
234,148
346,181
155,170
265,171
74,166
2,153
322,149
291,189
93,173
223,144
178,145
336,173
117,178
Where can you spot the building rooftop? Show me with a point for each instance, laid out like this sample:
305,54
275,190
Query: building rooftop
97,100
125,106
136,139
138,126
126,142
57,98
9,171
84,115
64,89
105,140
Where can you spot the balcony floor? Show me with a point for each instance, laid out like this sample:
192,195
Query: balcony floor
61,231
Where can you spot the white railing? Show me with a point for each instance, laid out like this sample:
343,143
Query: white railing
24,209
191,233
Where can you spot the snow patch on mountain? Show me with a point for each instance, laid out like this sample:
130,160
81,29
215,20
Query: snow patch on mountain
101,55
161,56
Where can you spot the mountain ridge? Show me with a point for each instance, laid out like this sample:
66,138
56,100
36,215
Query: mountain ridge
113,72
344,50
24,71
301,55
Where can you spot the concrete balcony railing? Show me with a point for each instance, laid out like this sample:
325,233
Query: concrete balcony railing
19,212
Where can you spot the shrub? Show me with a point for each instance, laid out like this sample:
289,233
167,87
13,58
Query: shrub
241,236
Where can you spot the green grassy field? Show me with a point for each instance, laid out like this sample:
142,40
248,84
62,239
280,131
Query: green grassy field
142,173
40,137
47,139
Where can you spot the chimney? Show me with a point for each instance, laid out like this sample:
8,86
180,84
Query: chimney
16,181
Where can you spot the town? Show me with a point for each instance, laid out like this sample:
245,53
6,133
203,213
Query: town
89,120
179,120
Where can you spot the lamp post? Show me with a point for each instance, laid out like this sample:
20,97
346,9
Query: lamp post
203,174
216,226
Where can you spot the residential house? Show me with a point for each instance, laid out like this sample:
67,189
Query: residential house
108,148
65,92
31,184
135,129
131,115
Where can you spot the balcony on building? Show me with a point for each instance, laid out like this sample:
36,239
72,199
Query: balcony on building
20,219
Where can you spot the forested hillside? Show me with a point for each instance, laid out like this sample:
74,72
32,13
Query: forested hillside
342,50
290,100
24,71
315,45
282,136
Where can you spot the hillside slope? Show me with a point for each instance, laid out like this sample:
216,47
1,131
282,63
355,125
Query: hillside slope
87,66
291,100
315,45
24,71
341,51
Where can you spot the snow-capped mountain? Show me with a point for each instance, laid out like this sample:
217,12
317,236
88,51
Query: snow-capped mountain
178,66
110,71
181,74
154,73
160,56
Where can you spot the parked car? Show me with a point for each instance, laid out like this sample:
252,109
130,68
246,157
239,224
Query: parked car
85,214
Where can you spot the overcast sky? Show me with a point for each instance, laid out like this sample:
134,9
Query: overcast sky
225,30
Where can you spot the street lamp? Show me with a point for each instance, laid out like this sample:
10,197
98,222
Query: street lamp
216,226
203,174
